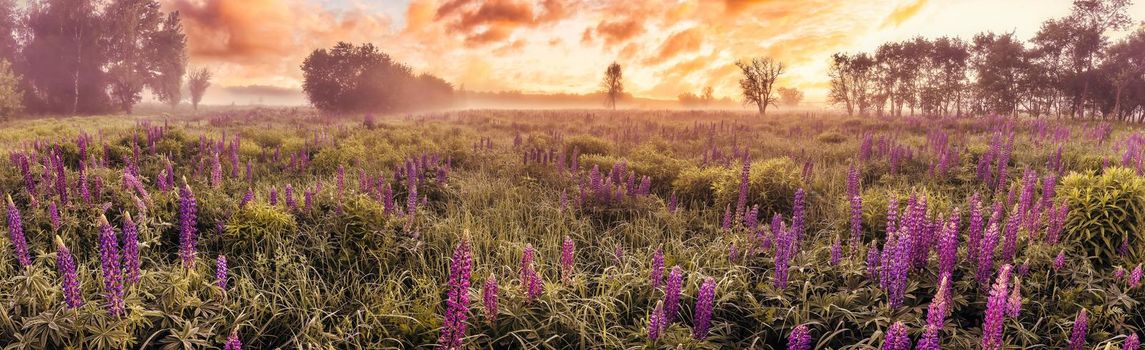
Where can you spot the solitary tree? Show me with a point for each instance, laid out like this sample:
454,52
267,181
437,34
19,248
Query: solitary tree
10,96
707,96
790,97
759,77
612,85
198,82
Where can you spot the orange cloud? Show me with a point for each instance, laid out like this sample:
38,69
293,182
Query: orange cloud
684,41
903,13
614,32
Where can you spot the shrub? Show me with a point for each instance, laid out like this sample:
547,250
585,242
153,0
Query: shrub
695,184
830,137
1104,210
587,145
771,184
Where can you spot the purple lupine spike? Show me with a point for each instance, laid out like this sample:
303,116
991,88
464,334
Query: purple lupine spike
1010,243
131,261
54,216
526,265
798,227
852,181
1079,332
535,287
672,294
726,223
1135,277
110,263
733,253
656,321
273,196
61,179
672,203
568,259
69,280
899,270
1059,261
489,299
703,309
1131,342
997,304
216,171
784,251
388,200
1014,303
948,246
188,233
16,234
896,337
457,304
836,252
657,275
221,272
892,214
873,261
1119,273
288,197
974,230
247,197
411,201
856,222
233,342
799,338
986,255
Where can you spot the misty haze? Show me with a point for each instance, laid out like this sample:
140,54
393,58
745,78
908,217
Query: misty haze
572,174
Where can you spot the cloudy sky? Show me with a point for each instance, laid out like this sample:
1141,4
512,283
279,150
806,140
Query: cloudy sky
667,47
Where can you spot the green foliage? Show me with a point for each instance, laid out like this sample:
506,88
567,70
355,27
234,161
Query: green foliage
11,98
830,137
587,145
694,185
771,185
1105,210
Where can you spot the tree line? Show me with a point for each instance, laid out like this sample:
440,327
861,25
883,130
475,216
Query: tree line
1070,68
90,56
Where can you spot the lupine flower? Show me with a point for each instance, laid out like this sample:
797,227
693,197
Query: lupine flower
233,342
110,263
672,294
1080,329
948,246
836,252
54,216
66,265
536,285
273,197
188,233
288,197
457,304
221,272
1010,243
656,322
1014,304
1135,277
974,237
935,317
986,255
799,339
798,227
856,221
1119,273
1059,261
892,214
897,337
216,171
703,309
247,197
131,261
16,234
672,203
929,340
996,307
726,223
489,298
526,265
733,253
873,261
785,246
657,276
1131,342
899,270
568,259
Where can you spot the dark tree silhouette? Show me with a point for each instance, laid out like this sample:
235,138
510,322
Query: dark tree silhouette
759,77
350,78
613,85
197,83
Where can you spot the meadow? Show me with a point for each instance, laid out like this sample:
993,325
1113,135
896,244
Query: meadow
514,229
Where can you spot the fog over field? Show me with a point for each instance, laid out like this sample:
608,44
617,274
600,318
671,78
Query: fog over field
572,174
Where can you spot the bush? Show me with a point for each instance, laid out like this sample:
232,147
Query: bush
695,184
1104,210
830,137
587,145
771,184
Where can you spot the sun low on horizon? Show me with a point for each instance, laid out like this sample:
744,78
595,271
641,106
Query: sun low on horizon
667,48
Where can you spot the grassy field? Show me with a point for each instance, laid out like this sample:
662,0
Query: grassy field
571,229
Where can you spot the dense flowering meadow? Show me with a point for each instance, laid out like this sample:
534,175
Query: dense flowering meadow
571,229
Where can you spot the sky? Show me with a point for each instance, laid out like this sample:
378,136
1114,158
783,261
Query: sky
667,47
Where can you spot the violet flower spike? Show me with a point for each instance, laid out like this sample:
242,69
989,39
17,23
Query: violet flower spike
799,338
69,280
703,309
16,234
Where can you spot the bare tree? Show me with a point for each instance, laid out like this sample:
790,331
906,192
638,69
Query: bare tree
759,77
198,82
707,95
790,97
613,85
